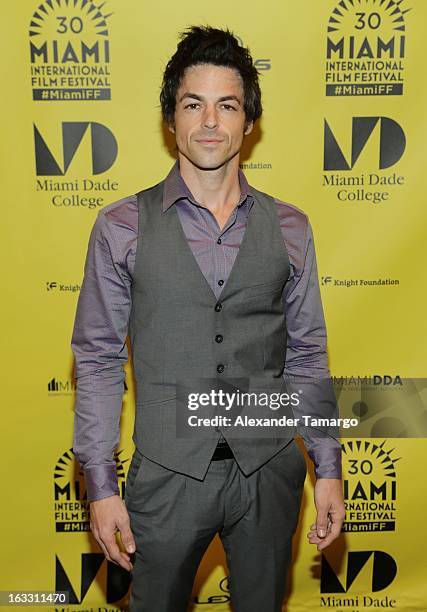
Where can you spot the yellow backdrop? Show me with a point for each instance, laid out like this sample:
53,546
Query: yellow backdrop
342,137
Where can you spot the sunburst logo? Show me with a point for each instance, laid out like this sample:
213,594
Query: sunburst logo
370,486
365,48
352,17
70,51
71,508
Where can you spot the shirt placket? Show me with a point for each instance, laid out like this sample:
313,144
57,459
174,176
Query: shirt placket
220,239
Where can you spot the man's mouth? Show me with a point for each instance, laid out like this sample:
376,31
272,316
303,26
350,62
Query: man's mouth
208,140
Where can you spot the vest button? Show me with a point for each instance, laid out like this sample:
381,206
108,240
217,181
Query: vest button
219,338
218,307
220,282
219,241
220,368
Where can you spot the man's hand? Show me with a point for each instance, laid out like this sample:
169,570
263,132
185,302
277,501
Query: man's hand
329,501
107,516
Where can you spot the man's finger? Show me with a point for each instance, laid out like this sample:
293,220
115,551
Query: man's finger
104,550
322,521
324,542
334,533
313,530
97,537
114,551
127,536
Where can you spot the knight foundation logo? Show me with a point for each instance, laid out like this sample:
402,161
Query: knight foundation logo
70,51
71,508
66,288
365,48
349,283
369,486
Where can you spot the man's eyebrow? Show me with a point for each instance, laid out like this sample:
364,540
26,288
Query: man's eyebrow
189,94
224,98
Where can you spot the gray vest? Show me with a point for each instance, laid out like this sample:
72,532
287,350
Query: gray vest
176,321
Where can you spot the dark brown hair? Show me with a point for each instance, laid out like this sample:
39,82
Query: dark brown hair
207,45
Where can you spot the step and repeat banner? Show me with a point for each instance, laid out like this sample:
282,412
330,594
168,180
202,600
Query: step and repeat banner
342,137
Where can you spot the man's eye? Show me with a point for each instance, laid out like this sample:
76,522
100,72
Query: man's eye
229,107
192,105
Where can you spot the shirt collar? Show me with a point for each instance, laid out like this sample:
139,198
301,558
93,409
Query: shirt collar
176,189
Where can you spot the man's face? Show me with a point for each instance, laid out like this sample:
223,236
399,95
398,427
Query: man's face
210,120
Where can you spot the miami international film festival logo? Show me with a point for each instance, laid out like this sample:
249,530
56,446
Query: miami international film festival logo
369,486
71,508
365,48
70,51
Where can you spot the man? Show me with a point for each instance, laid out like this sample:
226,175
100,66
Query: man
212,279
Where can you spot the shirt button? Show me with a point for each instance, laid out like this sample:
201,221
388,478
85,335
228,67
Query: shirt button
219,338
220,368
219,241
220,282
218,307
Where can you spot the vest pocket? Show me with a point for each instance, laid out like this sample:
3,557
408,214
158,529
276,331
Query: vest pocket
264,288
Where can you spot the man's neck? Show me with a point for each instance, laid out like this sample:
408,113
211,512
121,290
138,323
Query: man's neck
218,190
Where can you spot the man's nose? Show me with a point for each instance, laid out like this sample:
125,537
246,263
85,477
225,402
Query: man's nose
210,117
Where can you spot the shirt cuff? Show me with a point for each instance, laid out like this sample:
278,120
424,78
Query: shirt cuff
101,481
326,455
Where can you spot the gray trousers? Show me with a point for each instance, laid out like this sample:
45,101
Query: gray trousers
174,518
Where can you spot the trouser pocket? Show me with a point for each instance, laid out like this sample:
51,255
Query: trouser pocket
135,465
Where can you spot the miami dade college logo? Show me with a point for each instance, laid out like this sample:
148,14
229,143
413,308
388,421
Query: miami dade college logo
392,143
372,143
102,143
375,570
82,148
116,579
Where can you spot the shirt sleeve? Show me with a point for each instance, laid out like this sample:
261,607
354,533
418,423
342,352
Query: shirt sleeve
99,347
306,363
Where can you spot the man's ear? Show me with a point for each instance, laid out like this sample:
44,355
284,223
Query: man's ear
249,126
171,128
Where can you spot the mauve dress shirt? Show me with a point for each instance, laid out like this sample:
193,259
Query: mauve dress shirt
103,309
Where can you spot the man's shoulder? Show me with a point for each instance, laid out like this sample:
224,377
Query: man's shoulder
293,219
120,207
294,223
126,207
285,208
119,216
